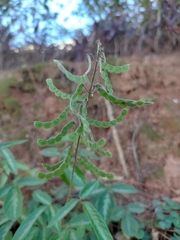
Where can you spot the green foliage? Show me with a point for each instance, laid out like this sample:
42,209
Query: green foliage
110,123
26,225
88,165
167,216
115,69
122,188
55,122
77,79
120,101
57,169
7,155
83,134
41,218
11,193
13,203
97,222
89,211
63,211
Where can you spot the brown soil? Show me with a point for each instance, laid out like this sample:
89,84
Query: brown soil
157,127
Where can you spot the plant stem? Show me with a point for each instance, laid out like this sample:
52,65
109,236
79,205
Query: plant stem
93,78
79,138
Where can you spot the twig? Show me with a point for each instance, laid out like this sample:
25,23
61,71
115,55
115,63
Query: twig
138,126
135,154
79,138
117,140
162,234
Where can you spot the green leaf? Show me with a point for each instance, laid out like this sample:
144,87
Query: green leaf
9,236
107,81
57,92
24,214
13,143
56,226
27,224
74,235
77,79
44,233
115,69
57,120
118,213
88,165
64,234
55,167
59,168
3,219
50,152
163,207
60,192
88,189
4,190
82,230
101,189
98,224
156,203
120,101
55,236
140,234
79,220
4,229
79,177
88,153
106,153
169,219
175,237
174,214
177,230
22,166
123,188
129,225
162,225
161,216
33,235
173,205
77,92
105,205
9,158
92,236
176,222
100,124
3,179
13,203
42,197
63,211
30,182
135,207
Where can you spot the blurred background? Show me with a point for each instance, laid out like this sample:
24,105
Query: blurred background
41,30
143,33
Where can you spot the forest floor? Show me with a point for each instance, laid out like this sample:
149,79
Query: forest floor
24,98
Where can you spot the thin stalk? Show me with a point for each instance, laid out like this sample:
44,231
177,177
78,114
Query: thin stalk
93,78
79,138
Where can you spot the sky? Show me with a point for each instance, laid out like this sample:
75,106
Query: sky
65,19
74,22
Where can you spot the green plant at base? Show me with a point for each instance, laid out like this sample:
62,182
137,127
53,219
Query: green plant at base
10,190
83,134
167,218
